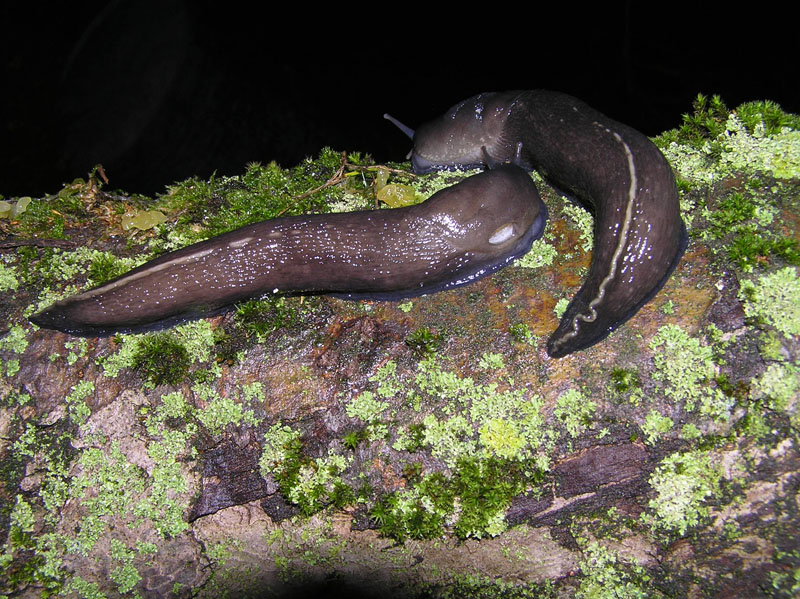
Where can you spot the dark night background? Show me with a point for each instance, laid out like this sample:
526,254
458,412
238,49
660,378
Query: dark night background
160,90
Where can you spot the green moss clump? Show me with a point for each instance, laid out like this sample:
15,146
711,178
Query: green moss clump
706,121
625,379
261,317
483,490
425,342
105,267
161,359
522,333
767,114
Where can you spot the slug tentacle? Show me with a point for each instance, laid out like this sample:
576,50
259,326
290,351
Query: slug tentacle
615,170
449,240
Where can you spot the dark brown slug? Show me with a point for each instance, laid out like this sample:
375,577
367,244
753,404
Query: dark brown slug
455,237
624,179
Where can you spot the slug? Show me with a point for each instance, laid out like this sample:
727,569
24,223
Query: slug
616,171
457,236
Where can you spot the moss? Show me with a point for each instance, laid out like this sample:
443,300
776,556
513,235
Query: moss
481,489
262,192
774,299
260,318
165,357
353,438
105,266
309,483
625,379
750,248
478,586
161,359
425,342
522,333
714,141
682,483
316,483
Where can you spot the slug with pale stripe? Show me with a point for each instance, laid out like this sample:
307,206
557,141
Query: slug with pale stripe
457,236
616,171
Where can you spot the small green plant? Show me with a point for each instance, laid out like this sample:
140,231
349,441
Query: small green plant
424,342
352,439
625,379
521,333
161,359
706,122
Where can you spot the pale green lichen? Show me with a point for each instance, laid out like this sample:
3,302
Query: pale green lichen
502,438
276,447
583,221
780,384
688,368
778,154
774,299
8,278
560,307
318,478
22,518
78,411
690,432
77,586
682,484
655,426
369,409
125,576
575,410
15,340
540,254
405,306
449,438
605,576
224,411
491,361
78,349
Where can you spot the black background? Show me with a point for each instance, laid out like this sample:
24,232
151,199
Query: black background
160,90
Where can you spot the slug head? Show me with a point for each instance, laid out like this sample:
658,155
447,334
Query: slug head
463,136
